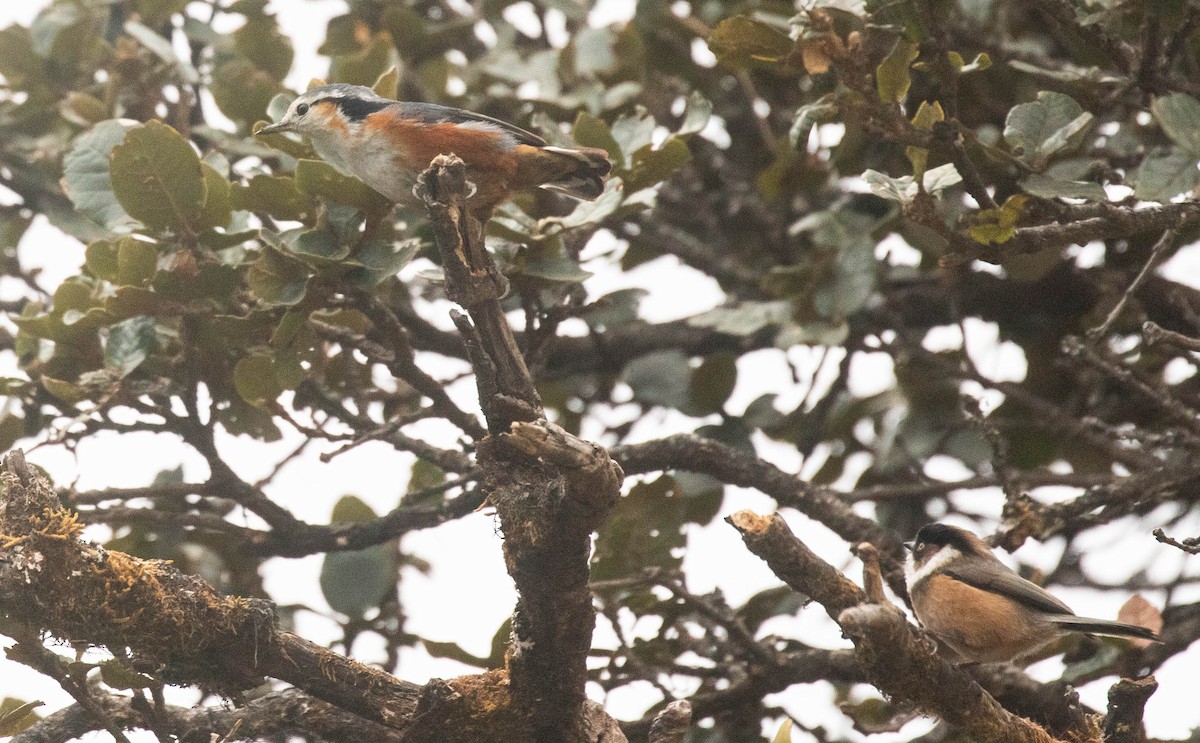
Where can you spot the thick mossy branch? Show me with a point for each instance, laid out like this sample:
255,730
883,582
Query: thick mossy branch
289,712
173,623
169,624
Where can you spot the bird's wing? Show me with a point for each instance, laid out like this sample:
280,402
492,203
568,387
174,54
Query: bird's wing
432,113
999,579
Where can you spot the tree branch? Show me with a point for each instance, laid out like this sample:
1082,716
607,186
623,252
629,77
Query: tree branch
289,712
550,489
1126,702
897,661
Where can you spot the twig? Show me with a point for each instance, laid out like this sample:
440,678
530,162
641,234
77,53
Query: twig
1155,334
1156,255
1190,545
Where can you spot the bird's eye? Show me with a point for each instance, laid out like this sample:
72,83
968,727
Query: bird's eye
302,109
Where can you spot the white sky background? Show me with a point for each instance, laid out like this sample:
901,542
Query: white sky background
467,594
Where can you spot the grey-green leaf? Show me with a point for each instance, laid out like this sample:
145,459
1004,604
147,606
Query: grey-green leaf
1179,116
1164,175
1040,128
86,175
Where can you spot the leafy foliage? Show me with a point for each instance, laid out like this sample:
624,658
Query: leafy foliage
860,180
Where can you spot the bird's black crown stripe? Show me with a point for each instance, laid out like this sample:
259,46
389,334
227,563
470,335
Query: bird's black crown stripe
357,109
942,535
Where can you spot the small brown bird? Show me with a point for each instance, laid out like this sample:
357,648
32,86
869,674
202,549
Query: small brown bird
387,143
982,610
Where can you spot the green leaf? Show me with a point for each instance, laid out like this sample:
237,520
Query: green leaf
713,381
904,188
130,301
83,109
632,132
746,318
243,91
740,40
645,530
940,178
355,582
211,282
17,718
591,131
771,602
366,65
86,176
317,248
651,166
68,392
66,33
156,177
117,675
926,116
276,195
1179,116
218,209
256,381
993,226
1037,130
1164,175
592,212
351,509
163,49
852,280
660,378
101,259
557,267
388,84
240,418
351,319
614,309
1052,188
317,178
137,262
157,11
380,260
980,63
594,52
425,475
19,63
696,114
277,278
808,116
453,651
892,78
129,343
259,41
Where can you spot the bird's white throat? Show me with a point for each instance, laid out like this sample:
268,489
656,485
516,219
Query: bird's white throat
940,559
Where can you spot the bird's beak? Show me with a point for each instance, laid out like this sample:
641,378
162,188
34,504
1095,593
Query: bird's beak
282,126
909,546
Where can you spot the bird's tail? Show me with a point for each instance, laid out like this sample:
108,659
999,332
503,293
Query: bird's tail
580,172
1103,627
